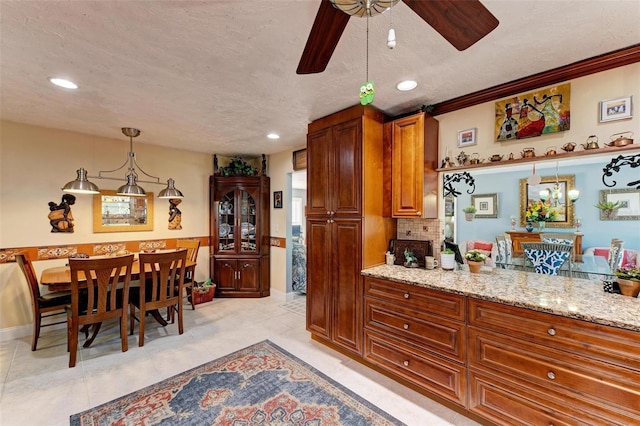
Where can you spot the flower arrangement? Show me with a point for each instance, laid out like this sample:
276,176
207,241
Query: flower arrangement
628,272
475,256
540,211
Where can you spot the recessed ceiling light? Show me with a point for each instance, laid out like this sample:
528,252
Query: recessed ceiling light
63,83
273,136
407,85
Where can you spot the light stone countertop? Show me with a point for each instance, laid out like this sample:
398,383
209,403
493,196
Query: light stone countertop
569,297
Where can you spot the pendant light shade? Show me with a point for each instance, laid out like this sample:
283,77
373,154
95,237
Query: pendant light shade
131,188
170,191
81,185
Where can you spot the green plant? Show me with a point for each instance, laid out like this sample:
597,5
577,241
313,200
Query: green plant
447,251
608,205
628,272
409,257
475,256
469,209
238,167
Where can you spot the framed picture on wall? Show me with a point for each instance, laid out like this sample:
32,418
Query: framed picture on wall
277,199
615,109
627,199
467,137
486,205
563,207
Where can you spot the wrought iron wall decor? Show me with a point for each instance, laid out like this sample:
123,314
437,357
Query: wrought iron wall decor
616,163
449,180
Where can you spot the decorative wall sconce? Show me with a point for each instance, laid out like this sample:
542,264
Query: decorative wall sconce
81,185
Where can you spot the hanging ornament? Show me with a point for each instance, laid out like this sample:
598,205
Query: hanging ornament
368,89
534,179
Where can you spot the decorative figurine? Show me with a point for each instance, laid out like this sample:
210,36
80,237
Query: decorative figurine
60,216
175,215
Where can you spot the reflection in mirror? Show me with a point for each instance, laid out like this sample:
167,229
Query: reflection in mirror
121,213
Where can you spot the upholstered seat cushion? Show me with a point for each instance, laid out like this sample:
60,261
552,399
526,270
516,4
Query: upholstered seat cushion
546,261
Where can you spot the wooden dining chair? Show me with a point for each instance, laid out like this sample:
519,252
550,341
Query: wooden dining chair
105,295
43,306
192,247
547,258
161,286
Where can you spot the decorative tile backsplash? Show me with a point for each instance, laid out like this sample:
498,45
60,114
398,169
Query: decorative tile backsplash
422,229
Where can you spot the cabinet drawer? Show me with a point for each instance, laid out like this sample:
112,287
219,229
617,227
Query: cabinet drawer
596,382
510,403
434,302
442,377
441,336
608,344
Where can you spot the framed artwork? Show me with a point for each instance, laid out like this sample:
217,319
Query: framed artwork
563,207
277,199
486,205
467,137
121,213
628,198
533,114
300,159
616,109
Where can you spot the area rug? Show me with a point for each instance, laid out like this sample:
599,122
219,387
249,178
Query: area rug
260,385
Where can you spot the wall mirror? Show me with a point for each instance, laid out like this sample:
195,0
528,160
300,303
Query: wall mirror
562,206
121,213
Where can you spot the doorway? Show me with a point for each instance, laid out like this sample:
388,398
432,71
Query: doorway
298,231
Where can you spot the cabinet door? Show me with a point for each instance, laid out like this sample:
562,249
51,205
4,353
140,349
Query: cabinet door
225,222
247,223
225,274
346,187
347,283
319,180
248,275
407,180
319,274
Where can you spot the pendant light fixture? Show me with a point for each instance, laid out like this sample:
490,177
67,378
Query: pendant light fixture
81,185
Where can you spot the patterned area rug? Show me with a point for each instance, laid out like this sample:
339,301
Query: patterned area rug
259,385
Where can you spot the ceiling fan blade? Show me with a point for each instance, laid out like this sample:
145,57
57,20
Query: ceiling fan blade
323,38
461,22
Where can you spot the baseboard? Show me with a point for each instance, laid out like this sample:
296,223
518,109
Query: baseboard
20,331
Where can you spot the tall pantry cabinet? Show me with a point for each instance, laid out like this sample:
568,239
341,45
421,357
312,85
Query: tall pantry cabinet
346,230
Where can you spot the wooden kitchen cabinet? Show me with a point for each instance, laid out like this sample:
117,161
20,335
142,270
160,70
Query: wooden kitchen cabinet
529,367
417,334
344,209
239,223
411,156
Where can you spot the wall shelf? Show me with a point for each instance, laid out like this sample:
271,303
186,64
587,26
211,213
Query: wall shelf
607,150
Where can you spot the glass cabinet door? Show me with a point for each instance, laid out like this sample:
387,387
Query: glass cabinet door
226,222
247,222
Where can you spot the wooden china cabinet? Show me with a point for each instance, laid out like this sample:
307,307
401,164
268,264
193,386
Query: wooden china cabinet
239,223
346,231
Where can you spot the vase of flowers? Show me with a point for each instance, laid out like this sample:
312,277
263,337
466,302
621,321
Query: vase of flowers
540,212
475,259
629,280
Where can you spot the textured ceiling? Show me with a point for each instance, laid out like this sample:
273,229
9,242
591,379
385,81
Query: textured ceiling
217,76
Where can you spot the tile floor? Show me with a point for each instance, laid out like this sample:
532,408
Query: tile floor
38,388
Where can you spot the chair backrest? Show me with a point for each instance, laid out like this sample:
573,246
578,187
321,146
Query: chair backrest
558,238
162,278
505,249
615,253
102,277
546,258
23,261
192,247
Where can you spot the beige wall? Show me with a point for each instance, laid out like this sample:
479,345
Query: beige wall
586,93
35,162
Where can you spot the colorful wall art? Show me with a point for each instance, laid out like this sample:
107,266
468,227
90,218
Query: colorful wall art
533,114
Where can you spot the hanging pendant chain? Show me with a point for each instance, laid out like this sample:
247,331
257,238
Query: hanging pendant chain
367,68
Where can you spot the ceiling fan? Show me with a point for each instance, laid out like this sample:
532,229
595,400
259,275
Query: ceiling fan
461,22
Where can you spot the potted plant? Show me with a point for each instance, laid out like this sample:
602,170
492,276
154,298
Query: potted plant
608,209
447,260
469,213
410,259
202,292
629,279
475,259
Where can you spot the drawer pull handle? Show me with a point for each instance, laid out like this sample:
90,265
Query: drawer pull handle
406,326
406,363
551,331
406,295
551,375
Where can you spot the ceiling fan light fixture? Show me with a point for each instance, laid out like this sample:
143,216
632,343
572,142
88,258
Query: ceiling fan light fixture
407,85
362,8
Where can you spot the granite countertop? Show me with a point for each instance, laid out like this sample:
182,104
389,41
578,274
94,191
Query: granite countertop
569,297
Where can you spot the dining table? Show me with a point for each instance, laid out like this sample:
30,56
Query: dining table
58,278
